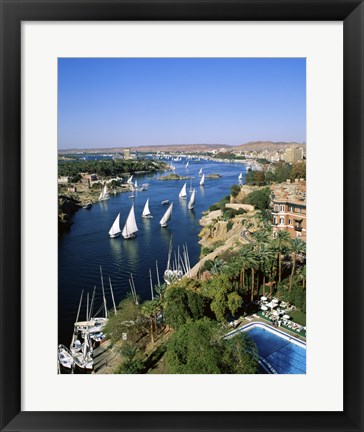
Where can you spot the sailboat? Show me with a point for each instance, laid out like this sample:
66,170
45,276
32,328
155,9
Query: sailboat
104,195
183,192
130,227
177,267
166,217
200,172
130,179
146,212
240,176
65,359
115,228
202,181
187,165
191,203
83,360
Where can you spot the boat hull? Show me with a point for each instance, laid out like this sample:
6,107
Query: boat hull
114,235
129,237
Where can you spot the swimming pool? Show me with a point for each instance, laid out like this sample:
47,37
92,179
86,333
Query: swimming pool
278,352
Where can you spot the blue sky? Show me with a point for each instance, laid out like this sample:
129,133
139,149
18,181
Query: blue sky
129,102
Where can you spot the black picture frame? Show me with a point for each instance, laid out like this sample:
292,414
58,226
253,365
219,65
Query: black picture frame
12,14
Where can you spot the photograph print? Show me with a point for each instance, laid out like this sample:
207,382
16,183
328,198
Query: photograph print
181,216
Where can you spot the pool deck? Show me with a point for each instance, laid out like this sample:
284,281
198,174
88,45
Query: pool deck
255,318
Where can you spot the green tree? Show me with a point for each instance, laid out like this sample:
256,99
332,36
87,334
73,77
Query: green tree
198,347
234,302
132,360
260,199
298,247
128,320
149,309
176,307
298,170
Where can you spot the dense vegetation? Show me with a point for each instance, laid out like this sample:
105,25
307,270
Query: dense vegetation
276,173
228,156
108,168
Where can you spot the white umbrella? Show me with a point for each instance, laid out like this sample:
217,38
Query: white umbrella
276,313
275,301
263,308
286,317
263,298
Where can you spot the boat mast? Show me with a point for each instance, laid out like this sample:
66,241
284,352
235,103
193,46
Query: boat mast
151,283
156,266
112,296
169,254
92,303
87,308
136,298
103,292
79,307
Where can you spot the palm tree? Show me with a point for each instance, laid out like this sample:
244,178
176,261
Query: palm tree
265,256
148,310
261,236
247,256
298,246
160,290
254,265
281,243
218,266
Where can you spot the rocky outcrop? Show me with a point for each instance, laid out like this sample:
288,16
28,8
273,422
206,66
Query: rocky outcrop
67,206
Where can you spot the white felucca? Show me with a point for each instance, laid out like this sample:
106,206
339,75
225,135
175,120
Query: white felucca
130,227
191,203
130,179
115,228
200,172
166,217
104,195
240,176
146,212
183,192
187,165
202,181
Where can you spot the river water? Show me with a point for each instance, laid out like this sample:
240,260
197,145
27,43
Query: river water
87,245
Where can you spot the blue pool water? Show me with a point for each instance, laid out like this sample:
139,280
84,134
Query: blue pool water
284,356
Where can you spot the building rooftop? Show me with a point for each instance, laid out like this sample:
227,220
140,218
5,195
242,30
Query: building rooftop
294,192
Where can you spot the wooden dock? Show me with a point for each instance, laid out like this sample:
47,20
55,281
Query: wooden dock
106,359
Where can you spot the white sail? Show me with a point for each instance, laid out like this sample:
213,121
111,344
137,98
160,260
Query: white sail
167,216
183,192
200,172
130,227
192,201
104,194
115,229
240,176
187,165
202,181
146,212
130,179
136,184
